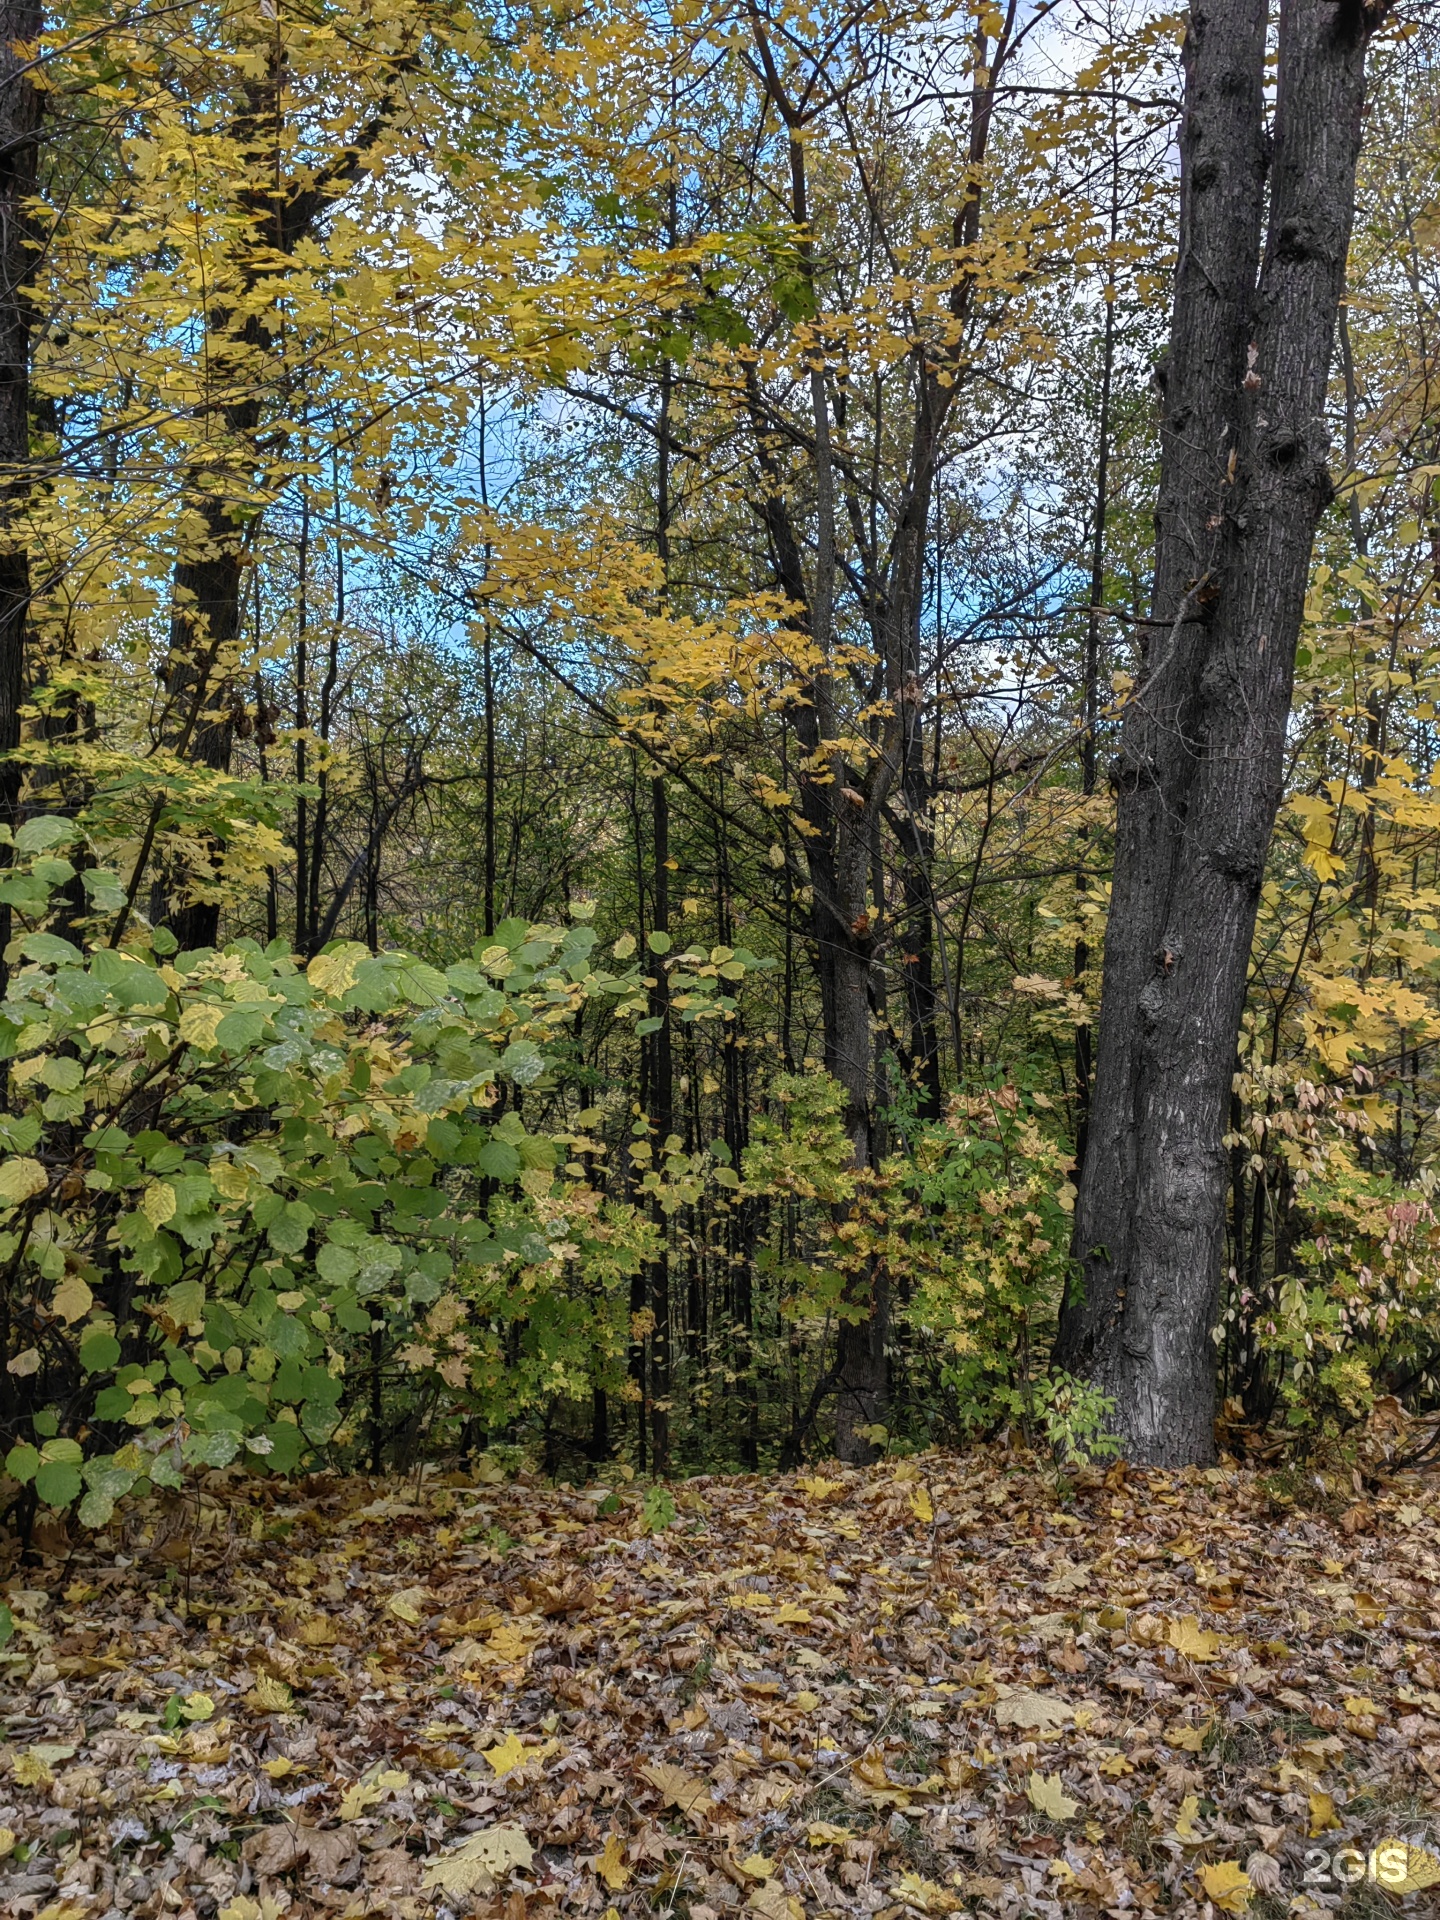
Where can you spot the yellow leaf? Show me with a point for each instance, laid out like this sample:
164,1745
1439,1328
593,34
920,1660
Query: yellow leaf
20,1177
279,1768
198,1706
370,1790
921,1506
7,1841
823,1833
318,1631
1047,1795
230,1181
509,1643
404,1609
1227,1886
30,1770
771,1902
610,1864
269,1695
479,1861
24,1363
815,1487
1188,1739
1322,1814
200,1022
72,1299
506,1755
334,973
792,1616
1401,1868
1185,1826
1191,1640
157,1203
757,1866
806,1701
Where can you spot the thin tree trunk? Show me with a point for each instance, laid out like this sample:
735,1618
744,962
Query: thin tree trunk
20,110
1243,484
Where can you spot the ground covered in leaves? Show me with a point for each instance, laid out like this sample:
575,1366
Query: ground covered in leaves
939,1687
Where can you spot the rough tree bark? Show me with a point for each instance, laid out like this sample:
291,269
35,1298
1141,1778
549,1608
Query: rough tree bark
1244,481
19,145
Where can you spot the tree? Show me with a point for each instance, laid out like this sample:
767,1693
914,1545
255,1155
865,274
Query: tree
1244,482
20,27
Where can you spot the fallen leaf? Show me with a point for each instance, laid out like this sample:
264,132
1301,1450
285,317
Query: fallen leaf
269,1695
479,1861
1185,1826
610,1864
1323,1817
1227,1886
1039,1712
1048,1796
679,1789
1192,1641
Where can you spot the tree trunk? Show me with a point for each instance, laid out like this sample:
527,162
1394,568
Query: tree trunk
19,124
1244,481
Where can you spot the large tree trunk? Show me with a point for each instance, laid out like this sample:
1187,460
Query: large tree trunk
1243,484
19,124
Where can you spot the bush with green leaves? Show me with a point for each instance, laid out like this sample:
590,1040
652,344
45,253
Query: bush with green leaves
242,1196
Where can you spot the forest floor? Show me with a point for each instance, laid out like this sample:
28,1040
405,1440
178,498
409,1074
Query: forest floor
943,1686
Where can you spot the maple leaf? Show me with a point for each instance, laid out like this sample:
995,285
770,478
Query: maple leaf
1401,1868
511,1752
480,1861
610,1865
1227,1886
1192,1641
1047,1795
269,1695
1037,1712
679,1789
29,1770
370,1790
1185,1827
1323,1817
771,1902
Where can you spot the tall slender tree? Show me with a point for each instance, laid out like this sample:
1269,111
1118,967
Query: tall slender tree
20,27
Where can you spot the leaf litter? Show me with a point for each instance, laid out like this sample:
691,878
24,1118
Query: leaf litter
932,1687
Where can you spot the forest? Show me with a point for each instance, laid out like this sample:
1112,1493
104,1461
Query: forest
719,960
717,737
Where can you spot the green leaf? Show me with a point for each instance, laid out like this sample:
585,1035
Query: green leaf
45,830
57,1482
22,1461
497,1161
210,1449
658,941
336,1264
290,1228
7,1625
657,1509
240,1029
96,1508
49,948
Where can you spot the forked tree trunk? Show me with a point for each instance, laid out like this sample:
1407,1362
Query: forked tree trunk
1244,481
